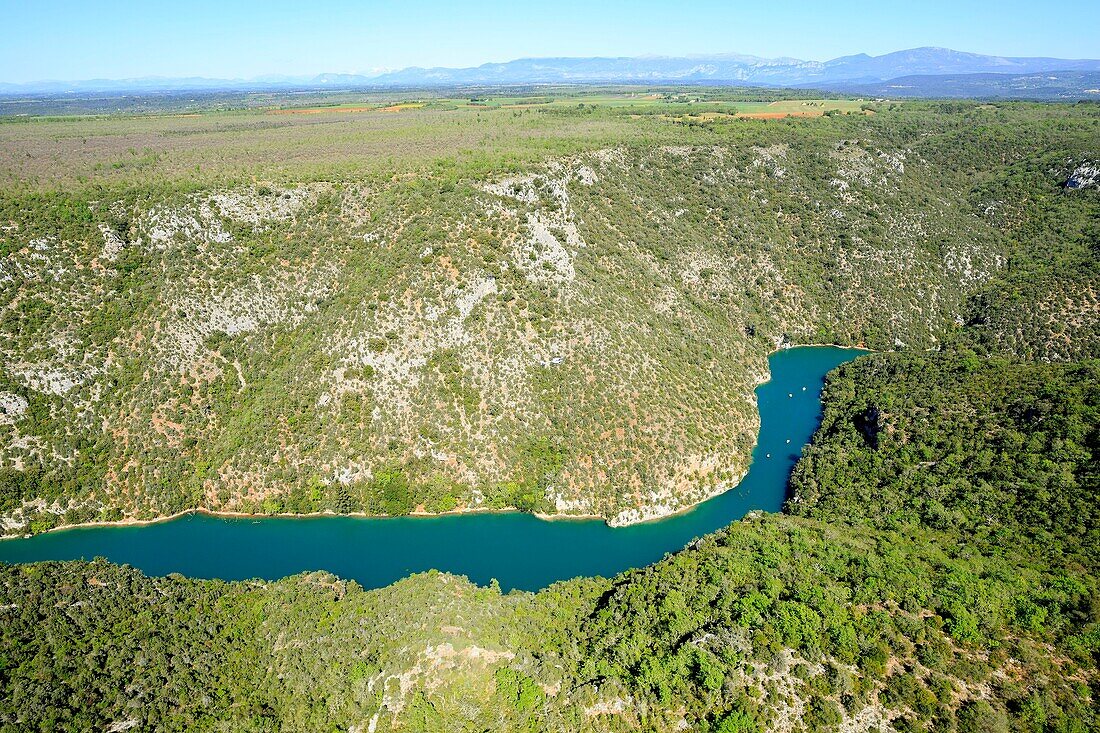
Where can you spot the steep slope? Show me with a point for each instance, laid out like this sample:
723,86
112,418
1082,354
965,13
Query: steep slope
896,446
961,596
775,624
577,332
425,343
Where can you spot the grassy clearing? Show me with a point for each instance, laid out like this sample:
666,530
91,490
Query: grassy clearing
350,136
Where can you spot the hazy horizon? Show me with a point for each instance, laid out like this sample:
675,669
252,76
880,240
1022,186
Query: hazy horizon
386,70
125,40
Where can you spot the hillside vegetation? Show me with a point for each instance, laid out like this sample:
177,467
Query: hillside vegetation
776,623
994,449
413,314
958,597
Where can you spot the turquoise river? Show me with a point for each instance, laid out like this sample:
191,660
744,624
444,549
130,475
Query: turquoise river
519,550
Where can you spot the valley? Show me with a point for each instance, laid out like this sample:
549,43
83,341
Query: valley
511,549
522,305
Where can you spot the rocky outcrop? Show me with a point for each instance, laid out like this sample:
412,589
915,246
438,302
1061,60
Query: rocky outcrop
1086,175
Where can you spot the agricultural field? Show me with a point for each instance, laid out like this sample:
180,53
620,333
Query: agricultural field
703,104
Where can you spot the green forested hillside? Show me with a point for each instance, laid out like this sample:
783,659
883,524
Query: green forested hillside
995,449
1044,305
411,312
777,623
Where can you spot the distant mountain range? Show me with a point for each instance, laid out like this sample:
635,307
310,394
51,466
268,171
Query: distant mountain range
1043,85
915,71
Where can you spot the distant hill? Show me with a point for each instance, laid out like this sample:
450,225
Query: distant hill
1044,85
715,68
735,68
941,61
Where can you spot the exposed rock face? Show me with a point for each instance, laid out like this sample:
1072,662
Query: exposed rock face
12,407
1086,175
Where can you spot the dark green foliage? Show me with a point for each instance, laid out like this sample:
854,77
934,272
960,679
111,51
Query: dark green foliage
288,655
519,689
736,721
63,670
981,717
994,450
393,486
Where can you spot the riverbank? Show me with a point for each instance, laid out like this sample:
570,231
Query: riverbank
519,550
221,514
623,519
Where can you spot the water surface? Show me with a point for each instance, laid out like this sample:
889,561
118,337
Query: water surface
519,550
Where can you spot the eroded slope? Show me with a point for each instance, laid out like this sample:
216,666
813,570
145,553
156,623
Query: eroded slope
581,338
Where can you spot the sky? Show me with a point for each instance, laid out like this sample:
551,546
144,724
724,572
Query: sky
67,40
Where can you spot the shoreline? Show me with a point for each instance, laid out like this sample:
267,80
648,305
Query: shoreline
226,514
718,491
609,521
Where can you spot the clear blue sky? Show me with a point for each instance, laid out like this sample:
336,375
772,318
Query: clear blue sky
62,39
